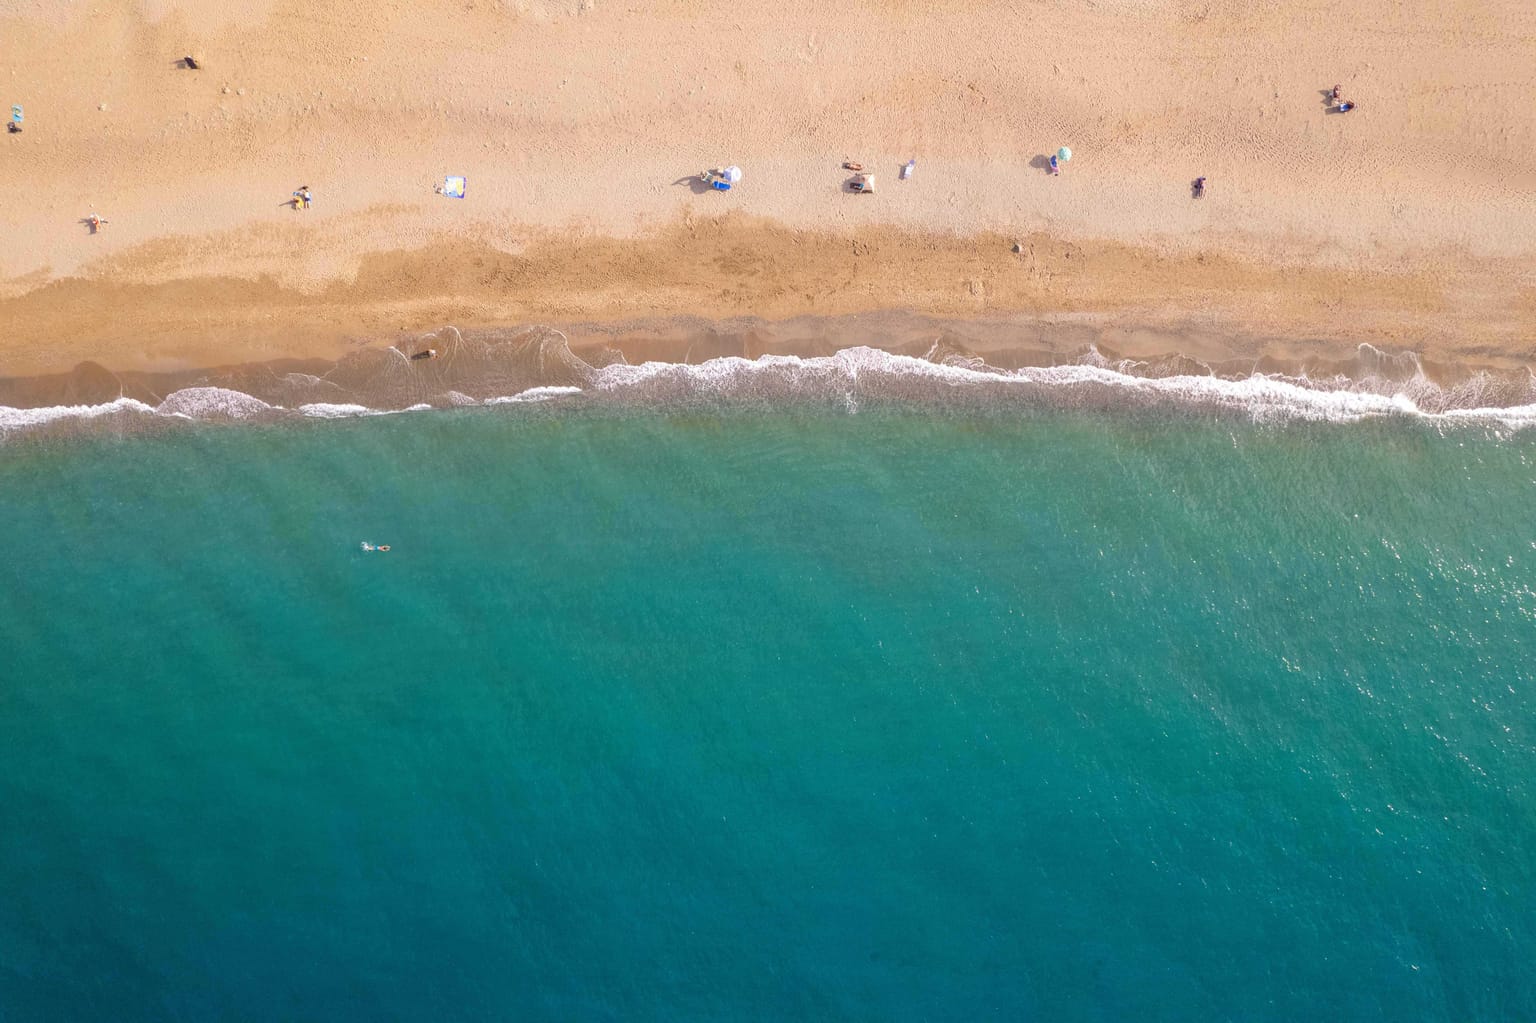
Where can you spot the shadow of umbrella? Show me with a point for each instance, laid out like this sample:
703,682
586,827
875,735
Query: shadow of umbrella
695,182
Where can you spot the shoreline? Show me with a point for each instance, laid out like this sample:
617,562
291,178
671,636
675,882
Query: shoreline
150,311
845,361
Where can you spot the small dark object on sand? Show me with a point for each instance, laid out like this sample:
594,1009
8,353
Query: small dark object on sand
189,62
13,128
425,353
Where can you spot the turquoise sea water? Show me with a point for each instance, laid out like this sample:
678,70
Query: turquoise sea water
790,714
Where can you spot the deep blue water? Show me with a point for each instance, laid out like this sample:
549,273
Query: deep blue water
795,714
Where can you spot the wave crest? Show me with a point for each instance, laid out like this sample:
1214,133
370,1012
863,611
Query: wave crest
536,365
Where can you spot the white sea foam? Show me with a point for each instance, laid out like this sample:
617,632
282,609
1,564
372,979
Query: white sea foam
212,403
25,418
854,375
326,410
1262,397
534,394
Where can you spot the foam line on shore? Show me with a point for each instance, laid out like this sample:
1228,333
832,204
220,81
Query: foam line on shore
853,375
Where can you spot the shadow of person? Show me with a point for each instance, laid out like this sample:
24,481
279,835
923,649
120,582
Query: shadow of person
1041,162
695,182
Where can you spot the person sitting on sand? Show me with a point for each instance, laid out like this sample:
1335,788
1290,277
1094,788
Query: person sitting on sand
189,62
1334,95
1346,106
1055,165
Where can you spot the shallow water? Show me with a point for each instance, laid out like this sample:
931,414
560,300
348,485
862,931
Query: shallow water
787,713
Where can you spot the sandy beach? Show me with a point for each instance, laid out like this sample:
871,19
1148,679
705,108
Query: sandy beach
1408,223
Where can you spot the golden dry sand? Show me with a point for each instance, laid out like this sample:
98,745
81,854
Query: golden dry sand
1410,222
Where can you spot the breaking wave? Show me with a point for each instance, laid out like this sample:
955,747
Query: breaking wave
536,366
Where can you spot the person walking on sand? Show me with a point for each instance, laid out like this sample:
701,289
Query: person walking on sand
1200,187
96,221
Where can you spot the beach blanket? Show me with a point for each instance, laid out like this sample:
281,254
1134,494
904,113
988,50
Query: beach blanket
454,187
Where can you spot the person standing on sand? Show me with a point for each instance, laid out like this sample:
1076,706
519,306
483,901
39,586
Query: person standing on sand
96,221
